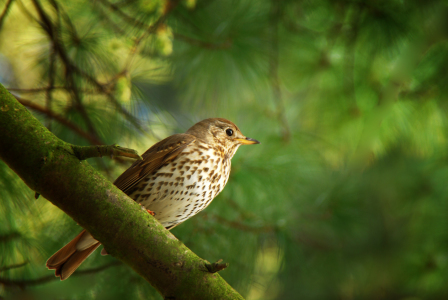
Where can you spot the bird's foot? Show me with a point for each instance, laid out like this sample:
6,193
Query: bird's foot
149,211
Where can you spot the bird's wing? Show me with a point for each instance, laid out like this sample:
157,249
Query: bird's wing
155,157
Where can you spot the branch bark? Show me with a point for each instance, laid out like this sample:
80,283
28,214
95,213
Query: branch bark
50,167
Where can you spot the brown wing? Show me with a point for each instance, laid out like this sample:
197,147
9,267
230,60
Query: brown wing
154,158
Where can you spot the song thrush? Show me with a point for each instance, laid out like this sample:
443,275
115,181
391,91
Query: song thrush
177,178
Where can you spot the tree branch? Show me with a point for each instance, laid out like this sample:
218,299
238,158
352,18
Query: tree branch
84,152
14,266
71,69
122,15
273,70
59,48
9,236
52,115
195,42
45,89
5,12
48,166
23,283
239,225
108,21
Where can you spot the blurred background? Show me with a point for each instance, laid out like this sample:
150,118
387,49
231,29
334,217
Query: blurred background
346,197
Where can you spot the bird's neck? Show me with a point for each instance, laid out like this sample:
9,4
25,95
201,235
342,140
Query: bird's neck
226,151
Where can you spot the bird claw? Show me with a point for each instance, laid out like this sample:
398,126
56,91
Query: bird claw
149,211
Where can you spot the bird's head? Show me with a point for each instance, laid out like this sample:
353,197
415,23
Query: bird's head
221,133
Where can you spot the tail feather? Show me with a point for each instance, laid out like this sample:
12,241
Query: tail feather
73,262
69,258
65,252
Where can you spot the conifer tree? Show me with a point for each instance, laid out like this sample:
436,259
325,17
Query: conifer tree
345,197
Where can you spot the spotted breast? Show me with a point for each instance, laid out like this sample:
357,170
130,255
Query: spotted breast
183,187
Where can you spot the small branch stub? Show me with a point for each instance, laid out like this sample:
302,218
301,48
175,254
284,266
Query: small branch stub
84,152
216,267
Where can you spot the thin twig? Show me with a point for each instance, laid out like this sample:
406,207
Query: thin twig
212,46
151,29
52,115
48,93
53,35
47,88
84,152
65,17
25,11
52,67
71,68
124,16
23,283
123,3
14,266
239,225
148,29
5,12
98,269
75,128
349,59
9,236
104,16
273,70
102,88
216,266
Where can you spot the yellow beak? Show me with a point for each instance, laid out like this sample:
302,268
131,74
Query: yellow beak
248,141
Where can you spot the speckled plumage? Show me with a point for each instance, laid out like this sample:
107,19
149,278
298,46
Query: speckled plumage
177,178
185,186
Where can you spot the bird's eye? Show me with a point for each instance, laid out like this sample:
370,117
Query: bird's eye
229,132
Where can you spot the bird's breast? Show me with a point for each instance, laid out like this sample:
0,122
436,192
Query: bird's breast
184,186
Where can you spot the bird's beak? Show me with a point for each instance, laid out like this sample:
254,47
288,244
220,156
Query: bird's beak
248,141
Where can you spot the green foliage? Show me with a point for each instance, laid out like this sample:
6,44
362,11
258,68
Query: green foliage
352,204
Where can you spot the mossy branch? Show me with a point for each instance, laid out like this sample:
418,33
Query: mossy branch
50,167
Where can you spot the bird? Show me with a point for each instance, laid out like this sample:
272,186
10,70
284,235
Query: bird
177,178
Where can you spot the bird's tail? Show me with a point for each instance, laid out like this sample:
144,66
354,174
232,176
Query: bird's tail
71,256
